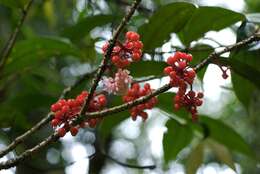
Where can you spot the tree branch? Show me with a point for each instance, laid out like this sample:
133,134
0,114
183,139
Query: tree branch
45,120
11,41
54,137
112,43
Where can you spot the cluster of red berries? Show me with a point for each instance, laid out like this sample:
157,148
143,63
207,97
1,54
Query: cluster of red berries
190,101
136,92
181,76
179,71
123,54
66,110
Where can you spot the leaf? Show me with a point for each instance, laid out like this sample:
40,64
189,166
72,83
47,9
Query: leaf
83,27
205,19
225,135
245,71
253,17
177,137
166,20
195,159
222,153
165,104
147,68
28,52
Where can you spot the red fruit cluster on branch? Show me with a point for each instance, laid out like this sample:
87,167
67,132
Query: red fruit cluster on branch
136,92
123,54
179,71
181,76
190,101
66,110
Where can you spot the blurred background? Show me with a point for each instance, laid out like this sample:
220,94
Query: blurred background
61,40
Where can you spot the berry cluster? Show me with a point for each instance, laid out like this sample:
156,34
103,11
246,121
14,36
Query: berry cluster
66,110
136,92
181,76
190,101
123,54
179,71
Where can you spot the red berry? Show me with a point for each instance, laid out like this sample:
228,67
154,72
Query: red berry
102,100
115,59
191,94
129,45
224,75
138,44
189,57
200,95
171,60
55,107
182,64
167,70
198,102
61,132
147,86
65,109
55,122
191,73
59,115
74,131
136,56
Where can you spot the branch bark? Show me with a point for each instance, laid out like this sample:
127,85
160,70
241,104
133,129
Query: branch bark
12,39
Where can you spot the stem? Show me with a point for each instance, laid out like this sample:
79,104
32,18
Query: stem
12,39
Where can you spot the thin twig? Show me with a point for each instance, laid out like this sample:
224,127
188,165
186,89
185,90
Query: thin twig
54,137
11,41
214,55
45,120
151,167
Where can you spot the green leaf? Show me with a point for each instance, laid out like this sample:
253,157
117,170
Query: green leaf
253,17
222,153
83,27
245,71
195,159
147,68
225,135
28,52
165,104
177,137
166,20
205,19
